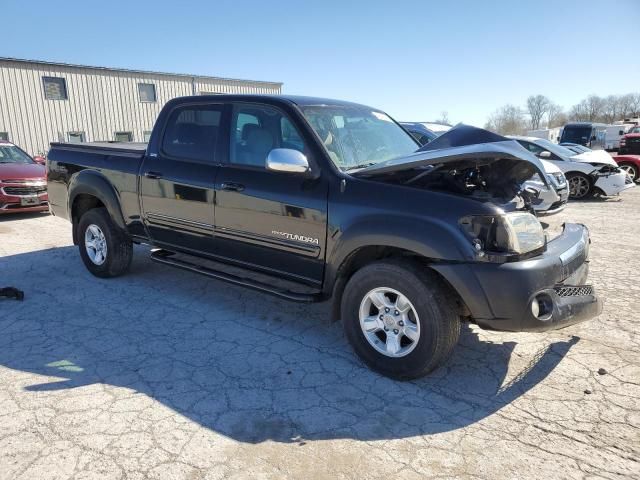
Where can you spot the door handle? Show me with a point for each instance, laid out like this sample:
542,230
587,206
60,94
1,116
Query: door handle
153,175
232,187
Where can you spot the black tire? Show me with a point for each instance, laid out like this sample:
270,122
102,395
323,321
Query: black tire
584,180
119,251
434,303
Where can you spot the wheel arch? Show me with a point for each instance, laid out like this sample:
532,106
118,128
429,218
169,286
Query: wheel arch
88,190
365,255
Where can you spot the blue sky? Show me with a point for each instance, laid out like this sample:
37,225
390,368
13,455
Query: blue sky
413,59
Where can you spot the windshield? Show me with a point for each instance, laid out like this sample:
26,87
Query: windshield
12,154
356,137
579,135
553,148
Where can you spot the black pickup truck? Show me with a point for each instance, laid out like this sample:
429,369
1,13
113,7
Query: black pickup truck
313,199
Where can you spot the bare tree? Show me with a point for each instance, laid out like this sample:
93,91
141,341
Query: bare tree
635,105
555,116
612,108
594,106
444,118
537,106
507,120
579,112
627,105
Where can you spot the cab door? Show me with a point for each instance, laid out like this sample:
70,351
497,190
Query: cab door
177,183
274,221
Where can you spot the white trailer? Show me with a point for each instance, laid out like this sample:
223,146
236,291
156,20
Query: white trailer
551,134
613,134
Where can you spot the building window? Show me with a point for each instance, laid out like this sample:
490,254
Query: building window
4,136
147,92
76,137
146,135
55,88
124,137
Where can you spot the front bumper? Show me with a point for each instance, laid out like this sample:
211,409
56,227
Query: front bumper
31,198
500,296
614,184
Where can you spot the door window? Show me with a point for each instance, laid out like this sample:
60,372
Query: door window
192,132
258,129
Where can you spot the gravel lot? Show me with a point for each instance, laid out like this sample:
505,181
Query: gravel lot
165,374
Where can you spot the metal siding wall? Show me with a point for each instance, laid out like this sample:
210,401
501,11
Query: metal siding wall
99,102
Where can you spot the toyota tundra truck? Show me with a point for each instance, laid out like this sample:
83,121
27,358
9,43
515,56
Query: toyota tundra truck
311,199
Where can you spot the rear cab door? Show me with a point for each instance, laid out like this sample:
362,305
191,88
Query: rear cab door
272,221
177,177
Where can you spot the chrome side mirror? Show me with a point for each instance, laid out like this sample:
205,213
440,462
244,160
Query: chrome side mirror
287,160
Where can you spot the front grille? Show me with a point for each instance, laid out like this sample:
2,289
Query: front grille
26,190
574,291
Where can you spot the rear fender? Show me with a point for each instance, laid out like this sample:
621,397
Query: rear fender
93,183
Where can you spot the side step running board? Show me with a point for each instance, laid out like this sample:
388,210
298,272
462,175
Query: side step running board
166,257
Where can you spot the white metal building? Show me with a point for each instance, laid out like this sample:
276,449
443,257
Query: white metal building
43,102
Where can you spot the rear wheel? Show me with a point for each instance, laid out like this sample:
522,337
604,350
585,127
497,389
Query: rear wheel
105,249
400,319
579,185
630,170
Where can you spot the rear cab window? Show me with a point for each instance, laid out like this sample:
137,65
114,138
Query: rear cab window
192,132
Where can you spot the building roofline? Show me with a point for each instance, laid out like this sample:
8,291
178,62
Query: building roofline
128,70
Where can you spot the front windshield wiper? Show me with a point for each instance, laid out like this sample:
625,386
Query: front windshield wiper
362,165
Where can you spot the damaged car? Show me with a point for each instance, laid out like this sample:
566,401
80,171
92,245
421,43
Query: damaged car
588,173
313,199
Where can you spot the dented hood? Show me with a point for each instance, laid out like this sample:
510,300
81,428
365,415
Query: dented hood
463,142
595,156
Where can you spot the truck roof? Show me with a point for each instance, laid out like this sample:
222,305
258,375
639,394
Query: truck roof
295,99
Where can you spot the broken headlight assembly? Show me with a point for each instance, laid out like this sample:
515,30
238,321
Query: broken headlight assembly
504,238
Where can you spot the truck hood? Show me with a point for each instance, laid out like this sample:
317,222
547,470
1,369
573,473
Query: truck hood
463,143
595,156
14,171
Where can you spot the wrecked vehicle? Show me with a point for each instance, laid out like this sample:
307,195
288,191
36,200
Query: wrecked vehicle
588,173
312,199
552,193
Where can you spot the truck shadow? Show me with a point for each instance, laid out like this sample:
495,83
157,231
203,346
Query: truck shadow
243,364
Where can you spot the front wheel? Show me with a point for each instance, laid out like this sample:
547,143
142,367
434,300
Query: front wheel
105,249
630,170
400,319
579,185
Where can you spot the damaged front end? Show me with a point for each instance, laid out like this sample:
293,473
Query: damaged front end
469,162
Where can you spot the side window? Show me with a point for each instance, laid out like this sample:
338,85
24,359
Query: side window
192,131
245,119
258,129
532,147
290,136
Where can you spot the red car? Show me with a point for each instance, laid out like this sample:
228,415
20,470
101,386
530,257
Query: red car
23,182
630,164
630,142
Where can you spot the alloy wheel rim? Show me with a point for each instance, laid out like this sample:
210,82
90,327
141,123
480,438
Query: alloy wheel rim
389,322
629,170
578,186
95,244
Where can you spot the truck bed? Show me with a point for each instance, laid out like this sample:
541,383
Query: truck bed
137,148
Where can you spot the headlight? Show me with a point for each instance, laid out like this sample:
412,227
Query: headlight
508,235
